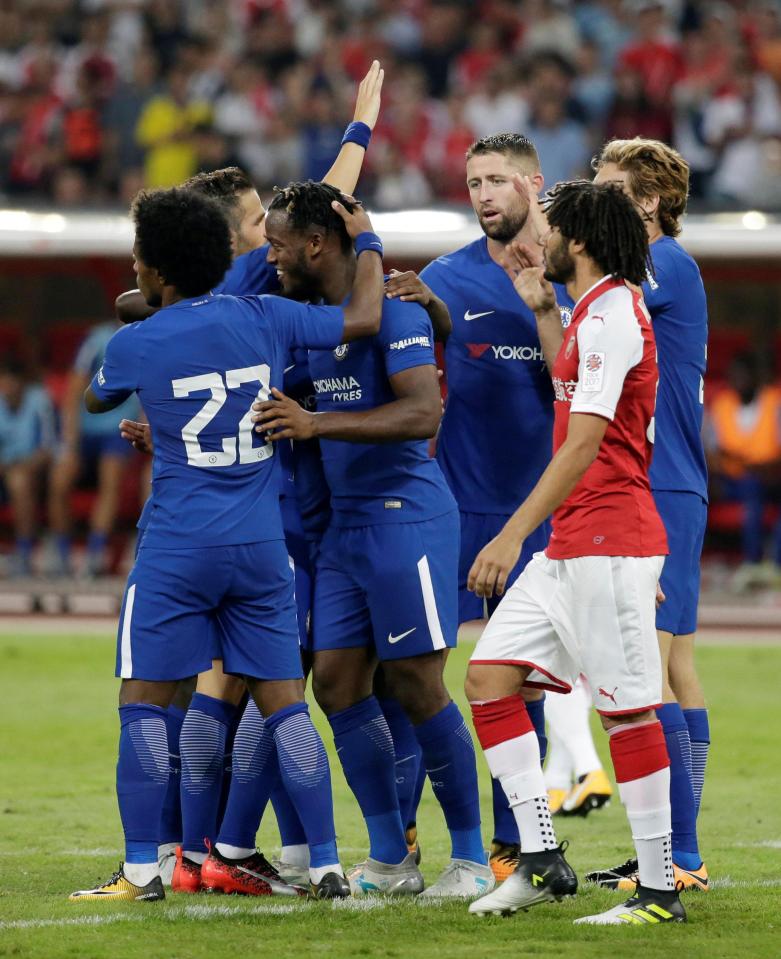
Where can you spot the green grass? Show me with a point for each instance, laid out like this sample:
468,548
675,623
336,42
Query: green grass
59,830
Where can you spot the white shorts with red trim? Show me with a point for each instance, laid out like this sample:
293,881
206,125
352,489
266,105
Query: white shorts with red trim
594,615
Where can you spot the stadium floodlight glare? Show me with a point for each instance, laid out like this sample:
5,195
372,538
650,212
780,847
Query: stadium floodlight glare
754,220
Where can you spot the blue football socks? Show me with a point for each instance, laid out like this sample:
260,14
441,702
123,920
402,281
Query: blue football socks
307,778
699,736
291,829
202,748
255,772
449,757
408,758
363,742
171,816
142,778
686,853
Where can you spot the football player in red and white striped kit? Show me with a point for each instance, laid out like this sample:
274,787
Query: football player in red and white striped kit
587,603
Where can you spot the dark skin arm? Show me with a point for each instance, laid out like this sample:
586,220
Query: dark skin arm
413,414
130,307
96,405
363,314
409,287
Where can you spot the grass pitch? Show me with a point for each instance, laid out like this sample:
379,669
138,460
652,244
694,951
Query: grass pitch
59,830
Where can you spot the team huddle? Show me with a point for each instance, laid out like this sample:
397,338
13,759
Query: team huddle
299,528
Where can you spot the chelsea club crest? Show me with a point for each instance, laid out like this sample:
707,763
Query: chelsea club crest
341,351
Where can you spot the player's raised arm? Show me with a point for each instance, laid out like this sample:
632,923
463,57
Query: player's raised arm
524,267
409,287
347,167
362,315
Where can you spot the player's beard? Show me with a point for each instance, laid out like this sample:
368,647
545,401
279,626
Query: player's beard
298,283
559,265
506,227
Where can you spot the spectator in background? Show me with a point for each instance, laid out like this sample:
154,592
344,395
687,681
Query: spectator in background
444,28
741,124
548,26
632,114
399,184
26,442
123,155
497,101
446,157
165,132
562,142
33,156
743,439
321,133
593,91
88,443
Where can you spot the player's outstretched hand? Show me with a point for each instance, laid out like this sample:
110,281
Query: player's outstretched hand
282,418
493,565
407,286
139,435
529,282
537,218
367,103
356,222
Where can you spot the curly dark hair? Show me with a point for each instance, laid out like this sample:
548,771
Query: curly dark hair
513,145
606,221
225,186
308,205
184,236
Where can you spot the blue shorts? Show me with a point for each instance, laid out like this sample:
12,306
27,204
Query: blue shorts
685,516
477,529
184,607
96,445
301,551
391,586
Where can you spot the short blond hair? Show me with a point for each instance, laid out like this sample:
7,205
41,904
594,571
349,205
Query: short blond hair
655,169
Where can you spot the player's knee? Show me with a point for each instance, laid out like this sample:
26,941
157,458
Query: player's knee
418,684
335,691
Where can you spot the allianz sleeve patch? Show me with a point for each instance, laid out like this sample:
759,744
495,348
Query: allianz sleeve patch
593,372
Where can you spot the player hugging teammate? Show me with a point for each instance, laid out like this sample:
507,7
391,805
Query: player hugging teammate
212,372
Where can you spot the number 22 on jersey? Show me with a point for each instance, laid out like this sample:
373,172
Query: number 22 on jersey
219,386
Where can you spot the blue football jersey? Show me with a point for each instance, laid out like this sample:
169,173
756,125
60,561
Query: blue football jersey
301,474
497,432
383,482
675,298
197,367
250,273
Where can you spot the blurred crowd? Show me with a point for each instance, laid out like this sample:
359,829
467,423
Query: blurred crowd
100,97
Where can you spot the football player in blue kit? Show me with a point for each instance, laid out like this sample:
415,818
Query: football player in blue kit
214,710
386,577
656,177
213,564
496,434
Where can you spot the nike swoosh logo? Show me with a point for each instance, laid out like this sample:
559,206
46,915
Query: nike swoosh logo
476,316
395,639
289,368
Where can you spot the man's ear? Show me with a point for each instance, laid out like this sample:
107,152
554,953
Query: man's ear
577,247
315,244
649,205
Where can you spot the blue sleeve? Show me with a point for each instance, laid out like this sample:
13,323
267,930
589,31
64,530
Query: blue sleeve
250,273
434,276
299,324
118,377
406,336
